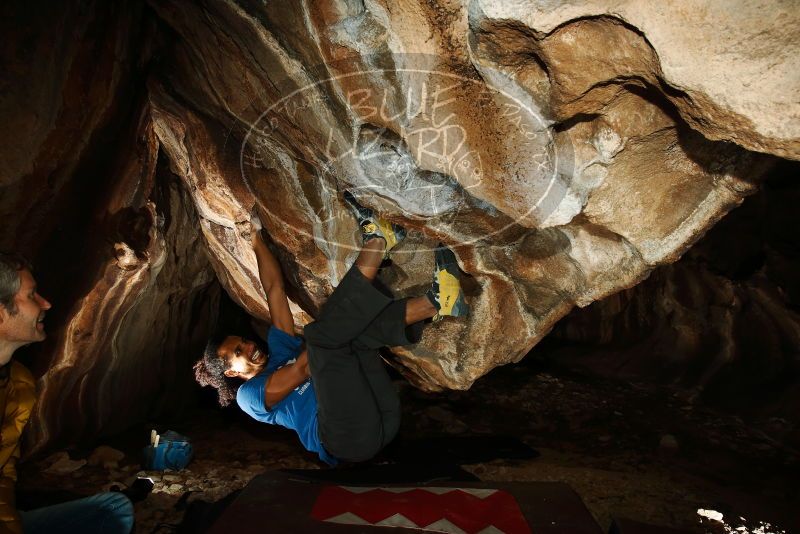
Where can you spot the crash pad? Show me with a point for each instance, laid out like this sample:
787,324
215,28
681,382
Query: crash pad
293,503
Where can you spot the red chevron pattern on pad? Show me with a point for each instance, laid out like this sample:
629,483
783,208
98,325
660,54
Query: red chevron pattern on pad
451,510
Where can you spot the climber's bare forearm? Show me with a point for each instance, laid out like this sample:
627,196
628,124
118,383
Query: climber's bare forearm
284,380
269,271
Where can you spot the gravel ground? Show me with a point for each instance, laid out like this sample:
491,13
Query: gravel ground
630,451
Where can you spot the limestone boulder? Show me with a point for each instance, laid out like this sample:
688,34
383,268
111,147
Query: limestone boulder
731,71
563,152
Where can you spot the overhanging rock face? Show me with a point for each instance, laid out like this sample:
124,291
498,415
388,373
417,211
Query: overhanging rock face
563,152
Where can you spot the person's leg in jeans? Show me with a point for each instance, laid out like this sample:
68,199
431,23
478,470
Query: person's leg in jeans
104,513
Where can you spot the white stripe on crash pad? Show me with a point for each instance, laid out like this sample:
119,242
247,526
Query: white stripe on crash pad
348,518
477,492
356,489
397,520
443,525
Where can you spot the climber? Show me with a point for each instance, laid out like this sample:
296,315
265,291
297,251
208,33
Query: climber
22,313
334,392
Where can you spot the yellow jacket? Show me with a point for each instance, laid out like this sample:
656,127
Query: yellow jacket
17,395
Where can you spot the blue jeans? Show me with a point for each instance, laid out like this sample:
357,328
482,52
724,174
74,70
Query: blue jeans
104,513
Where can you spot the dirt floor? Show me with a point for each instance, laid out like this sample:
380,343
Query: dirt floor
635,452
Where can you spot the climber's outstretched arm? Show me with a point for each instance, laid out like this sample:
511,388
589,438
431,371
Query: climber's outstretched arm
269,270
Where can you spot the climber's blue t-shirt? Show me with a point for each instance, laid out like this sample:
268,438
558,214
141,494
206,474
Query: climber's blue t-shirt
298,410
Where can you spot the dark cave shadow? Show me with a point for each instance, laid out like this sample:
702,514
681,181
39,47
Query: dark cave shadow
711,155
576,119
459,450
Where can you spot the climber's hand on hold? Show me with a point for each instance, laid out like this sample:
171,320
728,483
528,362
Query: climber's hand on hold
255,222
269,271
255,228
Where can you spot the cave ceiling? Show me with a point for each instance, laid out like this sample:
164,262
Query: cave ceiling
563,150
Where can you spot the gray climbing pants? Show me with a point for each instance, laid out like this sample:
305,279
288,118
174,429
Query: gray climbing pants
358,409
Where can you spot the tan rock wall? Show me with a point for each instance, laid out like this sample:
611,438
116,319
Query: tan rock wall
111,233
557,155
563,150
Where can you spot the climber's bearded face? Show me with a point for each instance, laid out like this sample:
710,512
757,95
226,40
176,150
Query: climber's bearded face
24,322
244,358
